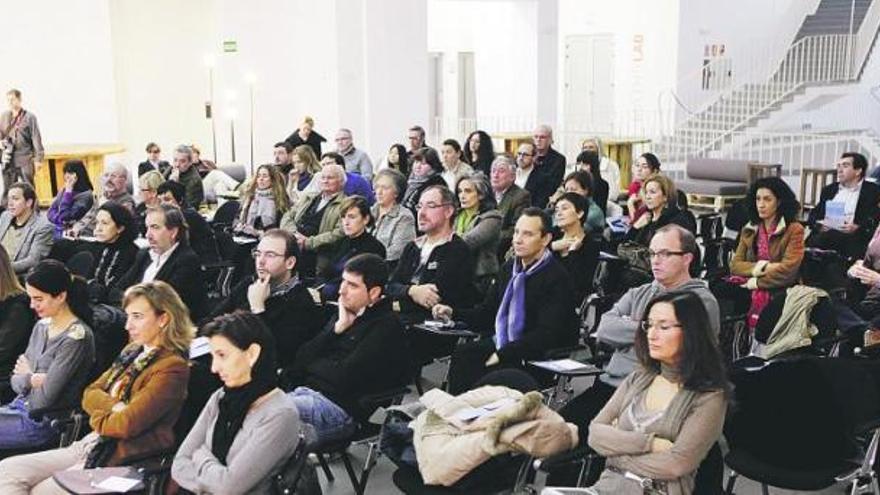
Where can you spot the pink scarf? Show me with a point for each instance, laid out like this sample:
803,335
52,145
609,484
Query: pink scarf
760,297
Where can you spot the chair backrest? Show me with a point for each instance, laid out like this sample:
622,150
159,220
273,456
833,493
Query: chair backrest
813,180
226,214
718,169
801,413
81,264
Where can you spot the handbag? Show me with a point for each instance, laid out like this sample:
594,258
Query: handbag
636,256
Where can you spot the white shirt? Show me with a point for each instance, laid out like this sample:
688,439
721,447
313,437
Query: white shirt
849,196
522,176
158,261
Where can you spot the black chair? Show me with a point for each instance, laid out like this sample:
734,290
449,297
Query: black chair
805,424
81,264
226,215
367,433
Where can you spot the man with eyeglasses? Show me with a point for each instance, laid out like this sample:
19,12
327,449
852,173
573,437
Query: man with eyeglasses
672,250
436,267
356,160
548,162
276,294
528,178
114,186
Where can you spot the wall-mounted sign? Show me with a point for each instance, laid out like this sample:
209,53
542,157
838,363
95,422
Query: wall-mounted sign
230,46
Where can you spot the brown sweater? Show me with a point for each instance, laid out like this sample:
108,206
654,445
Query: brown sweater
786,254
146,424
692,422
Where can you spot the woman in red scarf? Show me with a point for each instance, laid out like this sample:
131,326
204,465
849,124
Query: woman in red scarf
771,245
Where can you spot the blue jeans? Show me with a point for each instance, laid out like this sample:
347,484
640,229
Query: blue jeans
331,422
18,430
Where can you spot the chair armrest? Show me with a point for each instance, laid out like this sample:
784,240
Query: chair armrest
562,459
149,458
383,397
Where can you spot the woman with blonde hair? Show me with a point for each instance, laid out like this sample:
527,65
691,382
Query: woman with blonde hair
306,171
306,135
133,406
16,316
263,202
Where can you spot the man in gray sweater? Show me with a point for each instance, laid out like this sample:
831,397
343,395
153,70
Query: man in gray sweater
672,251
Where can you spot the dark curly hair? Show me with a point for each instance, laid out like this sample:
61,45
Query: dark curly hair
787,207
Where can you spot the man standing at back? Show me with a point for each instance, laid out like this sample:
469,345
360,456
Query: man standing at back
356,160
548,162
21,141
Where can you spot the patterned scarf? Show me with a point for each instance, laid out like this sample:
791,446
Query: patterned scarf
760,297
510,322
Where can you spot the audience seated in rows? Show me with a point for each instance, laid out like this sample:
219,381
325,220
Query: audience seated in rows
511,198
530,310
356,217
148,185
859,201
415,136
57,363
355,184
539,186
579,182
657,190
478,223
393,225
202,165
436,267
115,251
16,317
133,406
426,171
548,162
454,168
356,160
277,295
263,202
74,200
281,159
199,232
316,220
608,168
306,134
183,172
588,161
361,351
154,161
665,416
672,251
771,247
25,234
305,169
478,152
168,258
397,159
575,248
646,165
246,431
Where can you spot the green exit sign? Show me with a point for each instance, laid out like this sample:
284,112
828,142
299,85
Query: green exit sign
230,46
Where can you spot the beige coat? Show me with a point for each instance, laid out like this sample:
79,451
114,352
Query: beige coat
448,448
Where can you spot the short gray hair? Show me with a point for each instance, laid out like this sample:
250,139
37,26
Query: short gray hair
396,178
185,150
505,160
546,128
335,169
481,185
114,167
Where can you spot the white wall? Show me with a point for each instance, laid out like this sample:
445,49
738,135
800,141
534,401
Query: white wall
57,52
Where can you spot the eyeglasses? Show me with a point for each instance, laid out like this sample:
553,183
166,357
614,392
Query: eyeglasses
524,154
664,254
663,327
269,255
431,206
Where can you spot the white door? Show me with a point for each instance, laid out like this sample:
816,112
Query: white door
589,83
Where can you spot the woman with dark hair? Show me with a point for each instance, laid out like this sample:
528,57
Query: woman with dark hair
426,172
588,161
356,217
454,168
247,429
54,368
393,225
479,152
580,183
74,200
664,418
576,249
771,246
263,202
397,159
16,316
133,406
647,165
478,223
115,231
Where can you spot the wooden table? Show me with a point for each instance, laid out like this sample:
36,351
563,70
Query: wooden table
49,178
621,151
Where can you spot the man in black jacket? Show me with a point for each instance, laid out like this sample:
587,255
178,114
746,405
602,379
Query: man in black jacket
530,310
360,352
548,162
276,294
201,236
434,268
860,201
169,259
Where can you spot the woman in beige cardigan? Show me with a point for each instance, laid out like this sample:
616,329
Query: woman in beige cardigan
664,418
